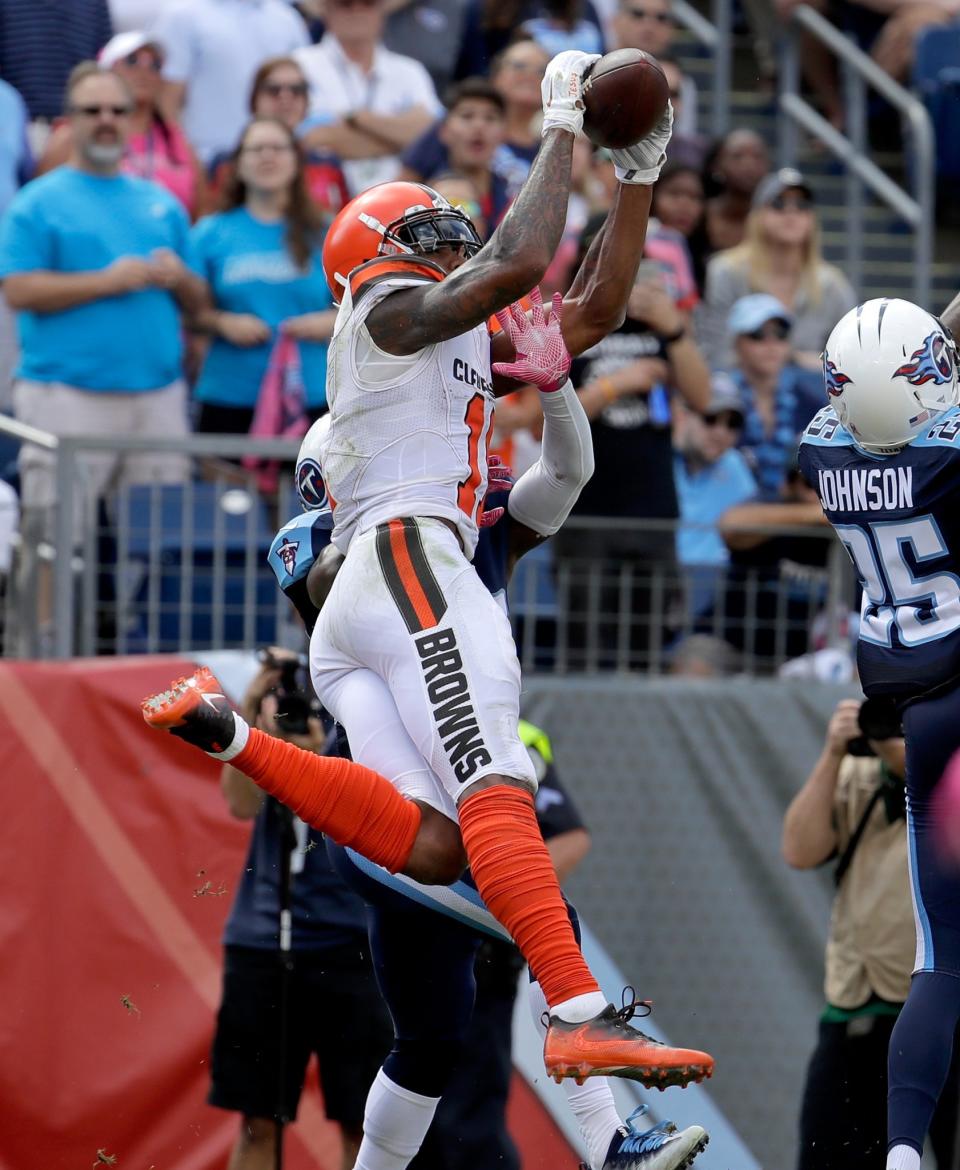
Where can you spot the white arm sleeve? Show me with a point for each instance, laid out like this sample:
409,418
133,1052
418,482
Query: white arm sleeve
543,496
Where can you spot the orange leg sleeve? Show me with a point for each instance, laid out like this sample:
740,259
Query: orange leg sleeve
353,805
516,879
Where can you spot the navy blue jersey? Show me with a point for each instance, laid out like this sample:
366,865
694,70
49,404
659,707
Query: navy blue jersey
898,518
325,912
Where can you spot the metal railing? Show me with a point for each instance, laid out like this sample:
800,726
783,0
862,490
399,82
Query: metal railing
858,72
150,567
179,568
718,38
630,613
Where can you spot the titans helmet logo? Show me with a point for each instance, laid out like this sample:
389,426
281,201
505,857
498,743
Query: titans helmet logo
287,552
930,363
834,379
310,485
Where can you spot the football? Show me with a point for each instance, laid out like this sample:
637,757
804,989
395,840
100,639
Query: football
625,94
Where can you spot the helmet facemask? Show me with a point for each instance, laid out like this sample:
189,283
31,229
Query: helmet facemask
430,230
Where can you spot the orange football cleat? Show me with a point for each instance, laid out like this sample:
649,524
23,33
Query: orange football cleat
607,1046
194,709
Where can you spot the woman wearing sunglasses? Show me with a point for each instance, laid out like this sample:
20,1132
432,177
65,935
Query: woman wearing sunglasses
779,397
157,148
780,255
280,90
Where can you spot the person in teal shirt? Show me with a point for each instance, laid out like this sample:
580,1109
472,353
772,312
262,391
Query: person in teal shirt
711,476
92,261
261,260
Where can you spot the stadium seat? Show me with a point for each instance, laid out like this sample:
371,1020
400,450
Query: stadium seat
170,537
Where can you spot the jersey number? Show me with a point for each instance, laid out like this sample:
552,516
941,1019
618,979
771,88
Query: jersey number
923,608
467,493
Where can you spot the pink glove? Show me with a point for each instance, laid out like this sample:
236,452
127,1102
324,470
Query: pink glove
499,479
542,359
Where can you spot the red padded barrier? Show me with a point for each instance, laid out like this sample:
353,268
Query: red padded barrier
119,861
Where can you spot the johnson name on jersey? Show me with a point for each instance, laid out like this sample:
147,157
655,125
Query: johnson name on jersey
898,518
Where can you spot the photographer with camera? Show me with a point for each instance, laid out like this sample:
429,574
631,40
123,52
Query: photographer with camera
298,978
851,809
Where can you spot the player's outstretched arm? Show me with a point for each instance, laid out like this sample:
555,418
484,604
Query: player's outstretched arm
596,302
517,255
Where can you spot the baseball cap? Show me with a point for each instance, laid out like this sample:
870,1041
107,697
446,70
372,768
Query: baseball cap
754,311
123,44
772,186
724,397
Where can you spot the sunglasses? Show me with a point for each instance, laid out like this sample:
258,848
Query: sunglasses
146,59
791,203
733,422
99,111
772,331
276,88
643,14
347,4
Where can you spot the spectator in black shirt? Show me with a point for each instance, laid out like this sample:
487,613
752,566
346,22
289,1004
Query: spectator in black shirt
625,384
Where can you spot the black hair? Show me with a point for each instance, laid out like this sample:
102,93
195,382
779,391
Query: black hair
476,89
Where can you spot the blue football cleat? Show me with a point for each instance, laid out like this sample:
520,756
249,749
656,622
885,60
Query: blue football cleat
663,1147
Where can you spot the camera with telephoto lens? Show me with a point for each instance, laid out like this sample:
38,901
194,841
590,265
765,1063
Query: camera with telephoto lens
878,719
296,702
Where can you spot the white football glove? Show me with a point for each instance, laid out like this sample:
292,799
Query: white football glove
641,162
561,91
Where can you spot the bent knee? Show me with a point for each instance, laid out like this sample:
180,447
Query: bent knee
438,857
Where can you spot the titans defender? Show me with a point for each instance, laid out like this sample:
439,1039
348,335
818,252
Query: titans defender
884,458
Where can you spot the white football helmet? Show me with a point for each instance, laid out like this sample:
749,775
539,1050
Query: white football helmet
309,473
890,368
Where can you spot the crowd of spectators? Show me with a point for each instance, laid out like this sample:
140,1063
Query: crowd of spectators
255,120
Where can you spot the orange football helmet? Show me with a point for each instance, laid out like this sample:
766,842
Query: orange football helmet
393,219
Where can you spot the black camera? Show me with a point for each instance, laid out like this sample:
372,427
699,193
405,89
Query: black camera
878,718
296,702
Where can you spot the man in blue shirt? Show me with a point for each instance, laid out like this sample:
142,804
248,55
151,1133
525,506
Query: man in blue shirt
710,476
93,263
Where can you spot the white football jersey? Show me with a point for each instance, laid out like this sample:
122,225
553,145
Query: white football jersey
408,435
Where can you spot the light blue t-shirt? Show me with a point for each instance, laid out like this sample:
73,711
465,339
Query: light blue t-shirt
704,496
250,270
69,221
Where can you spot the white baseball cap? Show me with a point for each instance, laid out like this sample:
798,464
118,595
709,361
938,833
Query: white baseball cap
123,45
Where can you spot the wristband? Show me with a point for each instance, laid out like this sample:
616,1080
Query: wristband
670,338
